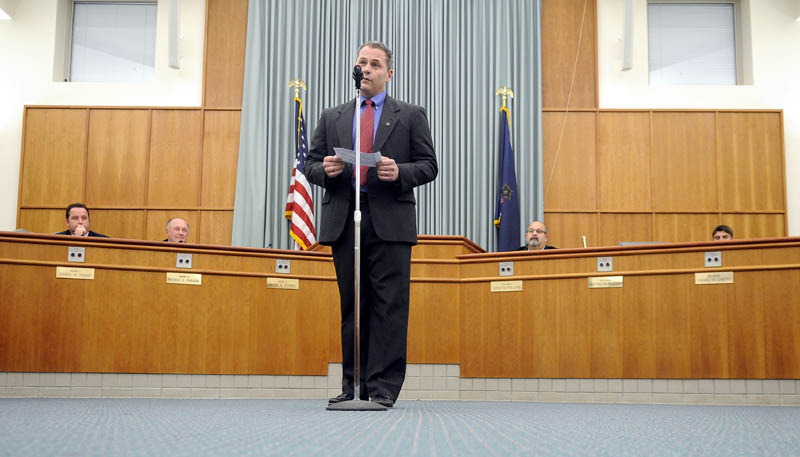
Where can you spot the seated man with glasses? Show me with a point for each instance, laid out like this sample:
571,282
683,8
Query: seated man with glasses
536,238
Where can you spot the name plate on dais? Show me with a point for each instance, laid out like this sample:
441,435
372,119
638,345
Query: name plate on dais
283,283
506,286
74,273
717,277
192,279
603,282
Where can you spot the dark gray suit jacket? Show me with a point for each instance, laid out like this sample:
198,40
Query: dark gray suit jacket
91,233
403,135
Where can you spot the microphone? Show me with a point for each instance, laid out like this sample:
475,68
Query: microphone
358,75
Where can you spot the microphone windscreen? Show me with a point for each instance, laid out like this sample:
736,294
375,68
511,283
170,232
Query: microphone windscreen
358,75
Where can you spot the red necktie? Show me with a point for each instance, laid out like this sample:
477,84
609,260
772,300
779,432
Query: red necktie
367,126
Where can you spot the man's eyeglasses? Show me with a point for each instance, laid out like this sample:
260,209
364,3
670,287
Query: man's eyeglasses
538,231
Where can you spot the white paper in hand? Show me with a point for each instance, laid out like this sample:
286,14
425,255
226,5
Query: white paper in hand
368,159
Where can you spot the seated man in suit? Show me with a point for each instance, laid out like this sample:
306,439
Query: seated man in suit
722,233
536,238
78,222
177,230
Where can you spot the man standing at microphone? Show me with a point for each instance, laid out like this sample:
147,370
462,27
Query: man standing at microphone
400,132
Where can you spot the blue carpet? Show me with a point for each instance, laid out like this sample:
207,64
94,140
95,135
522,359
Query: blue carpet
154,427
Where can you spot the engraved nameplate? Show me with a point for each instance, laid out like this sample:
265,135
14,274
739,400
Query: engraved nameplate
506,286
717,277
283,283
602,282
193,279
74,273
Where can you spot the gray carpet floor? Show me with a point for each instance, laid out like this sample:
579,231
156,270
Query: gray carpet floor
154,427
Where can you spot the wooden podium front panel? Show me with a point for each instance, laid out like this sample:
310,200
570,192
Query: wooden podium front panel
660,324
434,308
782,325
133,322
639,326
443,247
129,320
605,314
433,330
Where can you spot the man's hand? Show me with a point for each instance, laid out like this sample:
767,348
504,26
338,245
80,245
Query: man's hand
387,169
80,231
333,166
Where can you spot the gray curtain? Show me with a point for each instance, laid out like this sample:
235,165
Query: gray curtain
450,57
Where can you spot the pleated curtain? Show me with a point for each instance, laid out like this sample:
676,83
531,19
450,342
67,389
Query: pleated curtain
450,56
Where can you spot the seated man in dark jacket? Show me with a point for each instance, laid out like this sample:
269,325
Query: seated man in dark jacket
536,238
78,222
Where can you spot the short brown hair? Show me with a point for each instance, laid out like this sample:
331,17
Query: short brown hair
77,205
382,47
723,228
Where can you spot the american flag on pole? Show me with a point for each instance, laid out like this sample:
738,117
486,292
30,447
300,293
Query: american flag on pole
299,207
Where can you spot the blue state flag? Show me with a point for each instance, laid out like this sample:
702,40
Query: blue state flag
506,215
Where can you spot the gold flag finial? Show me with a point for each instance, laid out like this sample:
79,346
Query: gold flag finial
297,84
505,91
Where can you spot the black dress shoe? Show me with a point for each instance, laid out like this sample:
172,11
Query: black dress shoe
381,400
340,398
343,397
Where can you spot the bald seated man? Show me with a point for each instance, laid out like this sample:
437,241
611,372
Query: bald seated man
536,238
177,230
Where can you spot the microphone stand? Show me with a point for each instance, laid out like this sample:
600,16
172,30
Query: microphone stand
357,404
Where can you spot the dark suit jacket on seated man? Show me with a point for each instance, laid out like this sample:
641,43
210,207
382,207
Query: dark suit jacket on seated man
388,222
78,222
536,238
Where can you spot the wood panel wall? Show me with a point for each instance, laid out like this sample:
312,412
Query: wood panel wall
136,167
609,175
647,175
654,175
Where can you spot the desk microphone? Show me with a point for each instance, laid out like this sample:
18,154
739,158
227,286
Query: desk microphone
358,75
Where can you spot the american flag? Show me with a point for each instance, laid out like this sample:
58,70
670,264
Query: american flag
299,207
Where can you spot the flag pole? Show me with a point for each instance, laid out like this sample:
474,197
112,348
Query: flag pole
297,84
507,201
505,91
299,206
